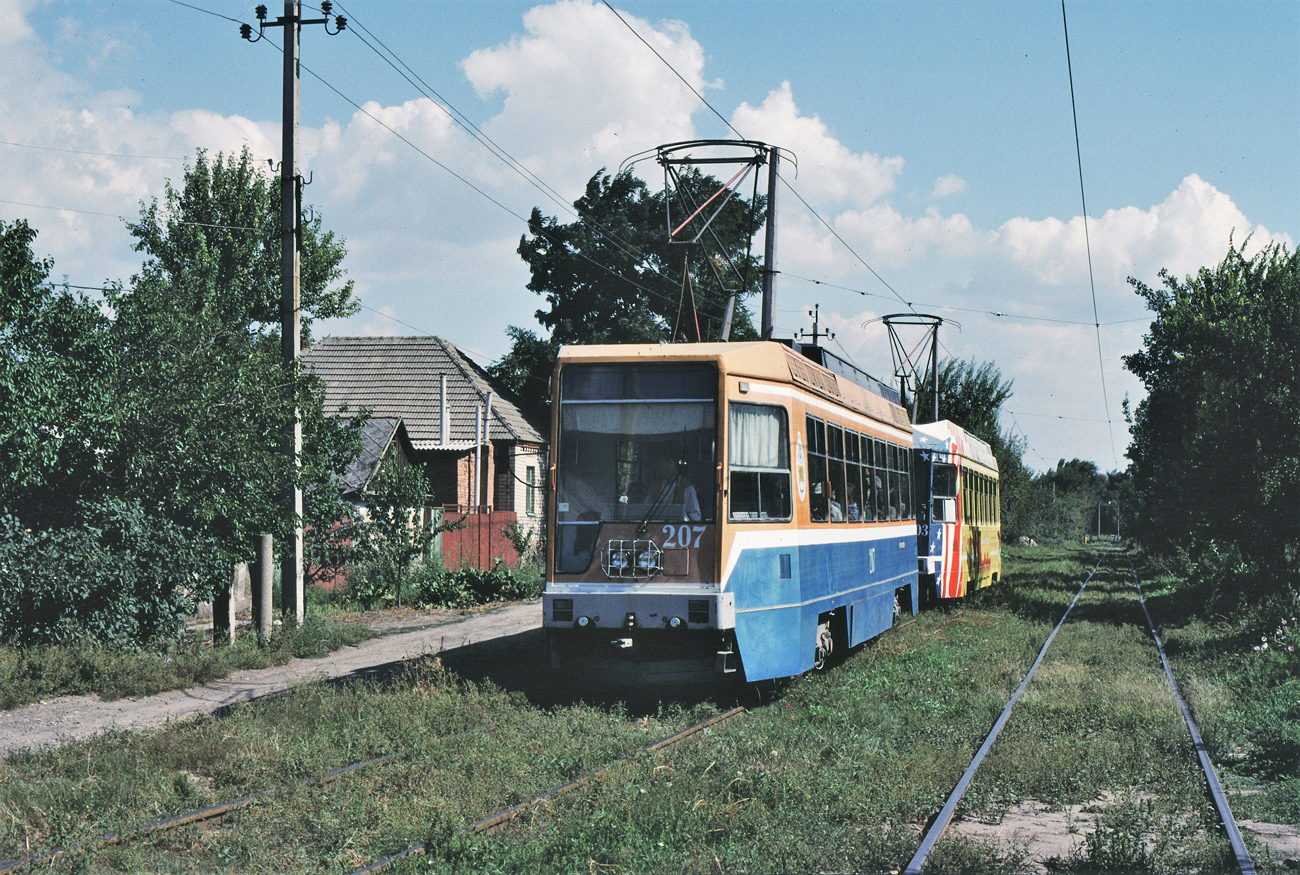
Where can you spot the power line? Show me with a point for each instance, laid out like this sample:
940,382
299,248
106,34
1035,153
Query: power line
673,69
999,313
1059,416
87,152
125,218
393,60
1078,152
205,11
1023,434
484,194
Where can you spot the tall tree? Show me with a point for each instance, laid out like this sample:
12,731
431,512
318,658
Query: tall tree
972,395
56,410
1214,442
202,387
612,276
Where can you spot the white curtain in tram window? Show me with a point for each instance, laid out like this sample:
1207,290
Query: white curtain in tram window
756,437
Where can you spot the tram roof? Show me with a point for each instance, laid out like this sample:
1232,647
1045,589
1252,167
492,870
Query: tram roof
945,436
760,360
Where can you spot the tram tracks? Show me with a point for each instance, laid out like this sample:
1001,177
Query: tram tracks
500,819
943,819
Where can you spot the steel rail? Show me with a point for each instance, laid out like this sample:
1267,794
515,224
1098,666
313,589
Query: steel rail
493,821
1244,862
212,811
944,817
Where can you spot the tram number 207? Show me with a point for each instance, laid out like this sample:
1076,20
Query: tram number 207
682,537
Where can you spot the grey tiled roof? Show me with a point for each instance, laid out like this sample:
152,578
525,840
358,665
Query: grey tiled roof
398,377
379,432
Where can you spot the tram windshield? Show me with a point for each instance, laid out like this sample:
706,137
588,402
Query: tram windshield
637,443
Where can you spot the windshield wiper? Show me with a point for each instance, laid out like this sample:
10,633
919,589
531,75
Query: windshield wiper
658,505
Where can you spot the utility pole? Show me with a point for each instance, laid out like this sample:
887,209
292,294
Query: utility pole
291,565
769,243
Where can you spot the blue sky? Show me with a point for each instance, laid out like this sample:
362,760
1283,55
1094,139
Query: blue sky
936,137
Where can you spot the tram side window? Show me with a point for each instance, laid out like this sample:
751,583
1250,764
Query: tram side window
945,491
907,512
880,480
895,493
758,456
868,456
853,474
819,505
835,473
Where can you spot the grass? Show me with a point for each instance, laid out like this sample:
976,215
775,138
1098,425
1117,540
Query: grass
30,674
836,771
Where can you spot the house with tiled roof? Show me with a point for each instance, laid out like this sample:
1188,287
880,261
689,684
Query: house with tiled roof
457,419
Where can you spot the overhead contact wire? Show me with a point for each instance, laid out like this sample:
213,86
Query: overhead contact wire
1092,282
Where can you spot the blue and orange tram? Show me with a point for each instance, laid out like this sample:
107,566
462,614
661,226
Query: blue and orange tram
723,509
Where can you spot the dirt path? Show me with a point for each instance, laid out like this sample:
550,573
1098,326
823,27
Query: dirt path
77,717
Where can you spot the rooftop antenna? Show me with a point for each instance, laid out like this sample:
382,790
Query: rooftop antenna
815,313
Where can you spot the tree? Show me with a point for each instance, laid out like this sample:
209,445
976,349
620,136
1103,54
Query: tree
1214,442
53,395
201,390
388,533
972,395
611,276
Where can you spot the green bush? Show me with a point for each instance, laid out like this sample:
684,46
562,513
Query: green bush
428,583
121,576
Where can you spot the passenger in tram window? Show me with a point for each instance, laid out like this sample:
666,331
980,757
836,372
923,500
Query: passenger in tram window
837,508
855,505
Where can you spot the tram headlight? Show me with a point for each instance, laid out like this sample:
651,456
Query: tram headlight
673,622
582,622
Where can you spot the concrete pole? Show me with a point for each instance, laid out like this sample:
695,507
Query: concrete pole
291,581
934,373
769,244
223,611
263,583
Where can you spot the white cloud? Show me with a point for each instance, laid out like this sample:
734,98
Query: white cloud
1187,230
13,21
581,91
828,171
947,186
892,239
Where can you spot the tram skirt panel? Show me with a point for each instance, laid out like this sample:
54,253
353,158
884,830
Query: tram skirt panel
777,617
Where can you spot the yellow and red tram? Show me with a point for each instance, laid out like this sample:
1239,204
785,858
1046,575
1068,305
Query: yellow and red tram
959,524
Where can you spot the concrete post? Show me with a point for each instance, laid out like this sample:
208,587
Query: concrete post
223,609
263,583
